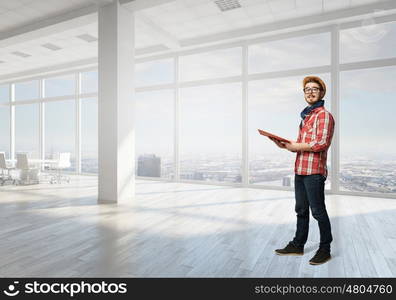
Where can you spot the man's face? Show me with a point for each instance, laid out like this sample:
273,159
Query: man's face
312,93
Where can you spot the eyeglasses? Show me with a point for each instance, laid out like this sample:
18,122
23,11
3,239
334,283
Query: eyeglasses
313,90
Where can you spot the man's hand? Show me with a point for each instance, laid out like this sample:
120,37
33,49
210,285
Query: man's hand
292,146
278,143
295,147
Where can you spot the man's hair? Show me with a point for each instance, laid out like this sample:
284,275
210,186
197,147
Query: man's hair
316,80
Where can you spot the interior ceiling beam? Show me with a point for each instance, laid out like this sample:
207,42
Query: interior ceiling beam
136,5
78,64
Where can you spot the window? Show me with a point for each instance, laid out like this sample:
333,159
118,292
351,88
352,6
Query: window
368,134
155,134
5,130
89,82
60,86
89,135
368,42
274,105
27,129
60,129
211,133
4,93
307,51
214,64
27,90
154,72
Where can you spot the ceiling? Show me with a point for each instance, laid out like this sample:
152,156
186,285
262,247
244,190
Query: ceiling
16,13
56,32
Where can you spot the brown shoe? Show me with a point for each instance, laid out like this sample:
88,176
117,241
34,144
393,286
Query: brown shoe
320,257
290,249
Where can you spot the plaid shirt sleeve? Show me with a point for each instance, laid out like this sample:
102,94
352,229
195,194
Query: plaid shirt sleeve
324,132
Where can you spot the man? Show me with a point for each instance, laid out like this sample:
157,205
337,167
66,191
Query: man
314,139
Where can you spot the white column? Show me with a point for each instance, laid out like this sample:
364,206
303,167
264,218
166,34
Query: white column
177,119
116,104
42,121
78,122
335,108
245,132
12,121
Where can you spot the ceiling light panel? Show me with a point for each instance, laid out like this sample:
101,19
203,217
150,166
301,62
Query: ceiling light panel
20,54
87,37
50,46
225,5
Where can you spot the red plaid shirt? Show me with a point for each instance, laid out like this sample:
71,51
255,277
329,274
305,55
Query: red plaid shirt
316,130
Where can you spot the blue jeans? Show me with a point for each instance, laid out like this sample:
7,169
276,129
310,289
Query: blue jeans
309,192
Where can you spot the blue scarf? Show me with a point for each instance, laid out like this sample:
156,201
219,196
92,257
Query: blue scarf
308,109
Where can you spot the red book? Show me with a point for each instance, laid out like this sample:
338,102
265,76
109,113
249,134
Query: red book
270,135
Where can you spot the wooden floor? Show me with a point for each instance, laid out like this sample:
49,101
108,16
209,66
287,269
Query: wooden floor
184,230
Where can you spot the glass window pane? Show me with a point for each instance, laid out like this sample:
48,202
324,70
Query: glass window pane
89,82
294,53
214,64
60,130
5,130
27,90
155,134
4,93
155,72
27,129
89,135
368,42
274,105
368,130
211,133
60,86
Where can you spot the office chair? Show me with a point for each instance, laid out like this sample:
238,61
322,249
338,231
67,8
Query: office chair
24,174
63,163
5,170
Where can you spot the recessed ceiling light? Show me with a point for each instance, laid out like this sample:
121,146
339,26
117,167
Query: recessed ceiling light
87,37
51,46
20,54
225,5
